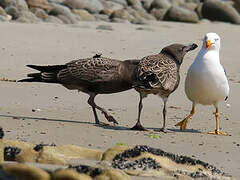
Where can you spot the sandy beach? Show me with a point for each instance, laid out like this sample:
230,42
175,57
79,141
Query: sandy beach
49,113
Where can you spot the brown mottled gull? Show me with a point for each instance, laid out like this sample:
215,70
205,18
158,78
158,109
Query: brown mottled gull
159,74
95,75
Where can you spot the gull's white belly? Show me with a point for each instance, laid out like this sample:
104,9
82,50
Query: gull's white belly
206,86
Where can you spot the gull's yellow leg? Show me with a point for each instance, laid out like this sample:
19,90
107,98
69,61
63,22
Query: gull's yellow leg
183,123
217,131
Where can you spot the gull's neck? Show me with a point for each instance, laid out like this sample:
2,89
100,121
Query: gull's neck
208,55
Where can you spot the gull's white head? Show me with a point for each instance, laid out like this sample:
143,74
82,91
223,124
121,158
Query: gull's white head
211,41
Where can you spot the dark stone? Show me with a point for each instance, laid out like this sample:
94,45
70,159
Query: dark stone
237,5
1,133
146,4
13,11
11,152
39,147
198,10
217,10
135,4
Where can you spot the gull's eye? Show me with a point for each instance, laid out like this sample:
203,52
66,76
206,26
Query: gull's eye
216,39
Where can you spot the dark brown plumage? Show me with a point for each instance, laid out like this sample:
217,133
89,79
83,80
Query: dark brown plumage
159,74
96,75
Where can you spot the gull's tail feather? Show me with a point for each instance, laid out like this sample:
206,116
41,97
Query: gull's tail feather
47,74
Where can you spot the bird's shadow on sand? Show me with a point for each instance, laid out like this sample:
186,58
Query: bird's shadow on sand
173,130
109,126
44,119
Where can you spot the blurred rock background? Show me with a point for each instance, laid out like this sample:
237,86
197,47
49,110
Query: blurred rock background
124,11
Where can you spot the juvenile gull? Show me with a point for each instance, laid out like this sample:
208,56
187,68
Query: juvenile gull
206,82
95,75
159,74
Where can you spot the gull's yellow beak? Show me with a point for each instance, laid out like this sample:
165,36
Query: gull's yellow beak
208,44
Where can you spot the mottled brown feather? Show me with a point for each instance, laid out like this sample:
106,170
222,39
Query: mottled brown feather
91,70
165,69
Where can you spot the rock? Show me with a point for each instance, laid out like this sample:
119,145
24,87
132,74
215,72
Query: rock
60,11
198,10
3,18
193,1
160,4
143,13
84,15
5,3
2,12
102,17
39,4
217,10
93,6
56,1
136,4
146,4
190,5
64,19
181,14
159,13
28,17
111,6
119,20
13,11
105,27
138,19
19,4
237,5
107,12
53,19
122,14
122,2
40,13
177,2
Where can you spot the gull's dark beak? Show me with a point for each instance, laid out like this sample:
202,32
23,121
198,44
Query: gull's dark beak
191,47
